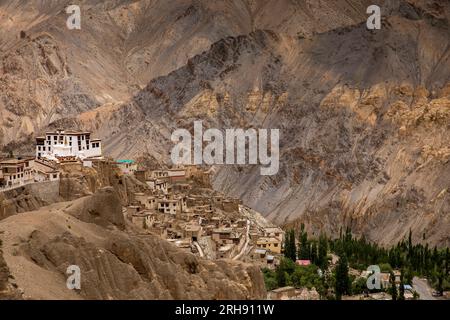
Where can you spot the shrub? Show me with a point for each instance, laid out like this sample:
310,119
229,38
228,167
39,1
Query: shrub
385,267
269,279
359,285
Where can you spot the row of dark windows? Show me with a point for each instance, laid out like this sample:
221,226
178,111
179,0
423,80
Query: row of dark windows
70,138
11,170
94,145
13,177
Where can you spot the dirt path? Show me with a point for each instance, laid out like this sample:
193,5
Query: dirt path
423,288
247,241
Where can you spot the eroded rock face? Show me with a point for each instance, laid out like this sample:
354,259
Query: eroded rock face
103,208
360,146
143,268
83,181
364,140
158,261
8,287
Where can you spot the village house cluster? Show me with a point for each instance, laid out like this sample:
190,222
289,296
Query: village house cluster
181,208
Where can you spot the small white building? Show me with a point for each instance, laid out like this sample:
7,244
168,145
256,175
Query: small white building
149,202
16,172
59,144
171,206
176,175
157,184
143,219
45,171
160,174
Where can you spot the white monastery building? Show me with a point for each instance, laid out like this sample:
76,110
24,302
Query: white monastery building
60,144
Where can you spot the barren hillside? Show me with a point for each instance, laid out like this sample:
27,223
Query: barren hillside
49,72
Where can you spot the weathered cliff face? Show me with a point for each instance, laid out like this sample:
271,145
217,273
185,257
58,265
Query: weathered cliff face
103,208
364,115
115,263
49,73
364,135
8,287
82,181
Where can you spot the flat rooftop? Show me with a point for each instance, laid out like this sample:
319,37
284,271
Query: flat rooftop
125,161
16,161
67,132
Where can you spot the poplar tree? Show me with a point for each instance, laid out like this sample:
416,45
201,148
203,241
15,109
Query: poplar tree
402,287
304,249
290,247
280,277
342,278
393,286
322,252
313,254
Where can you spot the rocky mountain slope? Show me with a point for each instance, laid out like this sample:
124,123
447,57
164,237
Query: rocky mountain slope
364,115
48,72
116,262
364,122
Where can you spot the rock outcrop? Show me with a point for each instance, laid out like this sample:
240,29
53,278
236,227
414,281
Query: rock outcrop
8,287
102,208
